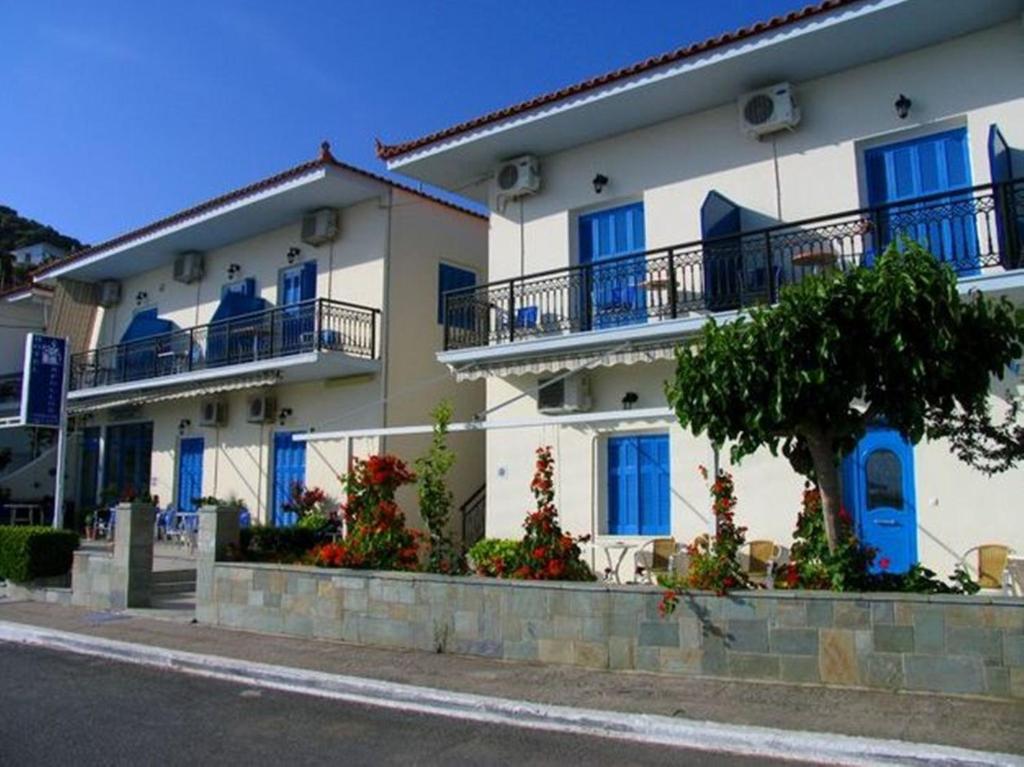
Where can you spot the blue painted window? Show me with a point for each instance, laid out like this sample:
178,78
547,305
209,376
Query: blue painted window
617,295
929,165
452,278
638,485
246,287
289,468
190,473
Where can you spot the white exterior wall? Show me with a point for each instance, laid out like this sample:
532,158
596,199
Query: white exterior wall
17,320
386,257
971,81
423,234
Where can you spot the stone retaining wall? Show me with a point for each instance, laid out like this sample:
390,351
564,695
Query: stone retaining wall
55,590
948,644
93,582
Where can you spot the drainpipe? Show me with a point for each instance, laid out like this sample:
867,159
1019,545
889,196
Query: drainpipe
385,319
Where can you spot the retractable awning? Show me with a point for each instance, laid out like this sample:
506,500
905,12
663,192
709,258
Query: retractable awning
564,361
184,391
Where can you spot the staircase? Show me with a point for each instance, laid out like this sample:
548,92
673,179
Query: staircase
473,515
173,589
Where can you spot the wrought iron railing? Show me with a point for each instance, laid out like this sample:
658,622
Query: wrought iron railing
316,325
975,229
473,514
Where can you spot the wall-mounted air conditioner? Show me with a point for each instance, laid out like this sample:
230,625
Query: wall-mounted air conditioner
261,409
189,267
213,412
320,226
110,293
567,395
518,177
768,110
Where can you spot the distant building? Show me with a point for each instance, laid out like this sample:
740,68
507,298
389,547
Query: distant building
38,253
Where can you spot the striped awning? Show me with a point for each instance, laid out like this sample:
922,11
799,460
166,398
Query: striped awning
181,391
566,361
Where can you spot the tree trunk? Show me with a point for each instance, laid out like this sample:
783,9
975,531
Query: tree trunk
826,473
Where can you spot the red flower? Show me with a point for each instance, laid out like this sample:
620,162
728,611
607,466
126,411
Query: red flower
884,563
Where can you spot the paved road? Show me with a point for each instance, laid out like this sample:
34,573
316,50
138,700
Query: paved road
60,708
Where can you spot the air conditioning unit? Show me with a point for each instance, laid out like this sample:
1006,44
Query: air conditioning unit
110,293
189,267
518,177
261,409
213,412
768,110
567,395
320,226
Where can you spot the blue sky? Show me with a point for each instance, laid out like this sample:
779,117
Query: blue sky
116,113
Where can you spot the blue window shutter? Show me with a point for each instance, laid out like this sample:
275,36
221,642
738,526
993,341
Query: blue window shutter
308,280
654,484
451,278
623,486
289,468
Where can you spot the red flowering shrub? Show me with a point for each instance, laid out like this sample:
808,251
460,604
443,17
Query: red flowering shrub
714,562
811,565
546,553
376,536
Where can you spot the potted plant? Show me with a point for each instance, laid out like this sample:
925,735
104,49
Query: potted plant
89,520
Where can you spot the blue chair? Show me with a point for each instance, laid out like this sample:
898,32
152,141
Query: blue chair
245,518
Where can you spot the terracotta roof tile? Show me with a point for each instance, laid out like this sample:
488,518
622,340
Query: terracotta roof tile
391,151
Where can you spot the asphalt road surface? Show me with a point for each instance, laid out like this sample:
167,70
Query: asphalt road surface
58,708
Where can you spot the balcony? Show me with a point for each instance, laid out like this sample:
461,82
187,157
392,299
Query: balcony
285,336
977,232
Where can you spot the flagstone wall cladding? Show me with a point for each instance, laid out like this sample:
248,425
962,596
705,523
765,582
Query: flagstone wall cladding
900,642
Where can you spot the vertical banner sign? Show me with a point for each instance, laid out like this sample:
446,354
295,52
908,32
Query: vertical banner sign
42,390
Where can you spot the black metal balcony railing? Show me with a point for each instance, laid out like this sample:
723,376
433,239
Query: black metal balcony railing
971,230
316,325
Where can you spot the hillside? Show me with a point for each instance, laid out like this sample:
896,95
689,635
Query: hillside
17,231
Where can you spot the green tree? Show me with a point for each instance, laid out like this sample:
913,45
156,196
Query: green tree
435,497
895,342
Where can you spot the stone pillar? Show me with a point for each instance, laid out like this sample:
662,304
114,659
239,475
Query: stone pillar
218,529
132,570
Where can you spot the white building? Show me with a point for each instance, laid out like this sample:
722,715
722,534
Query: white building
203,343
697,182
38,253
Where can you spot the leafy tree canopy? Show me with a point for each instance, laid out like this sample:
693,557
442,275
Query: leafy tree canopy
895,342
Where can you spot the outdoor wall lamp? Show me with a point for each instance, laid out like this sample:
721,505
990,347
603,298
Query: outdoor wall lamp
293,253
600,182
233,269
141,297
183,425
902,106
629,400
285,413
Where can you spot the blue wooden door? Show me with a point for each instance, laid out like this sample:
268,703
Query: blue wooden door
190,473
88,488
289,468
878,490
930,165
295,293
638,485
615,284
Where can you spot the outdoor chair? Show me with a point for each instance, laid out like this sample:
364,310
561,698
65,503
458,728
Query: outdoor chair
759,559
658,556
991,565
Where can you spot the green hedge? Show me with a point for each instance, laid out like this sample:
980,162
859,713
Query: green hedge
27,553
487,553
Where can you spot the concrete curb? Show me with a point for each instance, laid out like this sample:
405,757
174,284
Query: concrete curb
820,748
